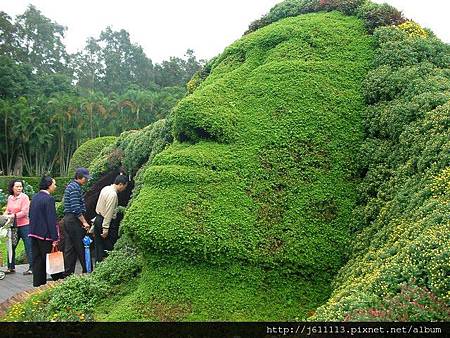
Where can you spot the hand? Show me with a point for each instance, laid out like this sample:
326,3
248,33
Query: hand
86,226
104,233
55,243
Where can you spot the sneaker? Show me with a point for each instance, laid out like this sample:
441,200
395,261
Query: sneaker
28,272
10,271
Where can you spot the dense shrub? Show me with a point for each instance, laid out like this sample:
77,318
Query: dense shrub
403,213
3,198
270,186
396,49
88,151
171,289
412,303
413,29
76,298
265,200
200,76
348,7
376,15
262,172
132,149
144,145
284,10
32,185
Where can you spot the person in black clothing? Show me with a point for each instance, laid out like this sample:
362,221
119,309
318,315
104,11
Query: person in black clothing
75,225
44,232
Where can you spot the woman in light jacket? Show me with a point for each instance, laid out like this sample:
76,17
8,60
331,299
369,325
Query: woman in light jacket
17,208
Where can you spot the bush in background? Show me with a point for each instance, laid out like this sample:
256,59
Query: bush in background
32,185
88,151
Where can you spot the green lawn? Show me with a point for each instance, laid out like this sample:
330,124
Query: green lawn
20,252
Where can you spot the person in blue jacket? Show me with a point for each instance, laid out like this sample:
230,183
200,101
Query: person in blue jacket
44,230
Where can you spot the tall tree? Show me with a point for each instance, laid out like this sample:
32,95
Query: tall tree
112,63
177,71
125,63
40,42
9,45
88,66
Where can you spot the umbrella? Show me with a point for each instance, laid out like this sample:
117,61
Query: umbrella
87,252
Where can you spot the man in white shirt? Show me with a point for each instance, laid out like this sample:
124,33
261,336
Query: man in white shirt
106,210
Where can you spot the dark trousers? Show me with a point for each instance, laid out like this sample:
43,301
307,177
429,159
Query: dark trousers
73,244
22,232
102,245
40,250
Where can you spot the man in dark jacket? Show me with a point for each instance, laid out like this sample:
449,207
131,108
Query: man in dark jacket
75,225
44,230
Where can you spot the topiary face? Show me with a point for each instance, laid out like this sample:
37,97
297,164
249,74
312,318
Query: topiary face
262,167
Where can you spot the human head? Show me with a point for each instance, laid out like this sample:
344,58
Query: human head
82,175
262,167
15,187
121,182
47,183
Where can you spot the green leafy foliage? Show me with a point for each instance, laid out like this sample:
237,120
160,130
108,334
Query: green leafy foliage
3,198
254,197
348,7
403,209
88,151
144,145
75,299
281,181
108,87
253,176
133,151
374,15
32,185
170,289
413,303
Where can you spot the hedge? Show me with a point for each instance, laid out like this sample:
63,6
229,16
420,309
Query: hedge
88,151
61,183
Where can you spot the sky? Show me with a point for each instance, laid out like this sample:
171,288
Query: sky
167,28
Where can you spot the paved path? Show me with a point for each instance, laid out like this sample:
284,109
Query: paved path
17,282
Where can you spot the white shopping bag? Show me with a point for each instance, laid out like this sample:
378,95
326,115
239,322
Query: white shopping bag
54,262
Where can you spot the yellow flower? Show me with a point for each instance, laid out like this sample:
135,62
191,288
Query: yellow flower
413,29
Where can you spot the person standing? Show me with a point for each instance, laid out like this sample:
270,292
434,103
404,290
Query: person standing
44,232
105,232
17,209
75,225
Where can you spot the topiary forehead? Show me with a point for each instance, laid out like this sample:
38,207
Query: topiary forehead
268,74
